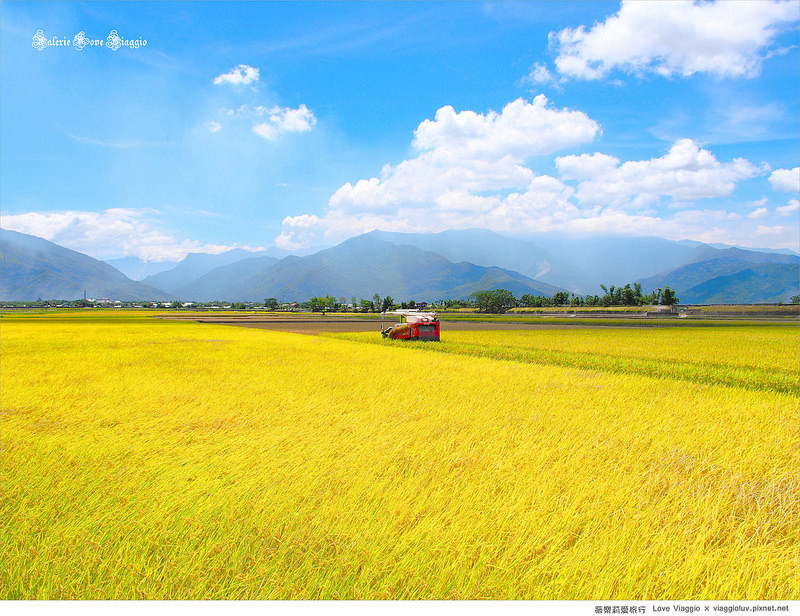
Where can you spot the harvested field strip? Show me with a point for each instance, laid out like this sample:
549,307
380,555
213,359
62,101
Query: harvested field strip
758,358
750,378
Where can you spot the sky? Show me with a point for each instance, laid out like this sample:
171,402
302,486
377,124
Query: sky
154,129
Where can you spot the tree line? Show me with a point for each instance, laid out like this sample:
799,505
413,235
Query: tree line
496,301
501,300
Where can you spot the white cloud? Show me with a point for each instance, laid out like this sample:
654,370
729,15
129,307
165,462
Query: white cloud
111,233
278,120
790,208
586,166
471,171
522,129
266,130
687,172
727,39
298,120
462,157
469,152
766,230
786,180
212,126
539,75
759,213
241,75
284,120
298,232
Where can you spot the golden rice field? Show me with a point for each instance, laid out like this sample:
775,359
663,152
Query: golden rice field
757,356
176,460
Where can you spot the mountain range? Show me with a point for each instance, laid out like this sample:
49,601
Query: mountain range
423,267
716,274
32,268
364,265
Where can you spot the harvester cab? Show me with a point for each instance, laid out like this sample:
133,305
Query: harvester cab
413,325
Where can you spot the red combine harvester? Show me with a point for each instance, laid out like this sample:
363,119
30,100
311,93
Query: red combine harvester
413,325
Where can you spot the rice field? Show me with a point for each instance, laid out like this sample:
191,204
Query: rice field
754,357
148,459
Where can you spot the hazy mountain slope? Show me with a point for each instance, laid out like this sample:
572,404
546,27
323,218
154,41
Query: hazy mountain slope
489,249
695,282
214,284
194,266
364,265
31,267
136,269
619,260
757,284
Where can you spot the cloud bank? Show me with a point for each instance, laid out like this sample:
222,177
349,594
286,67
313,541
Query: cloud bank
725,39
466,161
473,170
111,233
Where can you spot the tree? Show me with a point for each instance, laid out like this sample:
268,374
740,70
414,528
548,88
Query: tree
628,298
637,293
271,303
496,301
655,297
608,298
560,298
322,303
387,304
668,297
795,299
376,301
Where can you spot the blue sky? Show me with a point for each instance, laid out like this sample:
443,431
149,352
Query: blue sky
300,124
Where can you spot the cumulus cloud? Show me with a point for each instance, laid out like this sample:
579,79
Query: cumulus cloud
522,129
472,170
284,120
759,213
726,39
539,75
111,233
298,232
212,126
687,172
786,180
241,75
463,157
468,152
789,209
